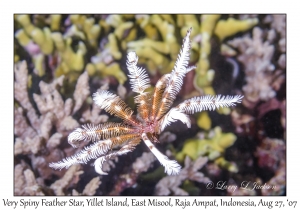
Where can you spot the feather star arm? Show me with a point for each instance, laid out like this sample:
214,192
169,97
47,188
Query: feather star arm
91,132
155,114
171,166
139,81
176,79
124,150
158,93
172,116
197,104
90,152
113,104
93,151
208,102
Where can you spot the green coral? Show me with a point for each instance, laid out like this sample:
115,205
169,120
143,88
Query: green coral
70,47
210,24
102,64
22,37
231,26
88,26
71,60
42,37
39,36
153,51
213,147
204,77
105,70
55,22
98,44
203,121
158,49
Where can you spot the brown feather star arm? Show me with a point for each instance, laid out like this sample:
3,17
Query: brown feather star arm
94,151
158,93
144,104
139,81
114,105
91,132
176,79
159,90
124,150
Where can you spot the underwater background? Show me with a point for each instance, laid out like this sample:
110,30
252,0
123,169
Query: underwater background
61,60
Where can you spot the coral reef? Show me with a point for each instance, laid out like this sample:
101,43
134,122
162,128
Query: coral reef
170,185
40,131
154,114
261,77
61,59
129,179
213,147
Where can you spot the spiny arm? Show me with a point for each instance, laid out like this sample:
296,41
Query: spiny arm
124,150
208,102
158,93
197,104
176,79
139,81
172,116
91,132
113,104
90,152
171,166
93,151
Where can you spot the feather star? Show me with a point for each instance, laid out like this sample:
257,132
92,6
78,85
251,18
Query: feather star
154,115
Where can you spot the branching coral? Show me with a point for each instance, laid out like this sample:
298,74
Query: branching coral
67,179
38,42
70,60
91,187
213,147
260,72
25,181
154,51
39,132
170,185
90,29
231,26
210,24
127,180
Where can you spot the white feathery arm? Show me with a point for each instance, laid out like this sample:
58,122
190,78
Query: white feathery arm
114,105
172,116
90,152
176,76
139,79
104,98
91,132
171,166
190,68
124,150
208,102
180,67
